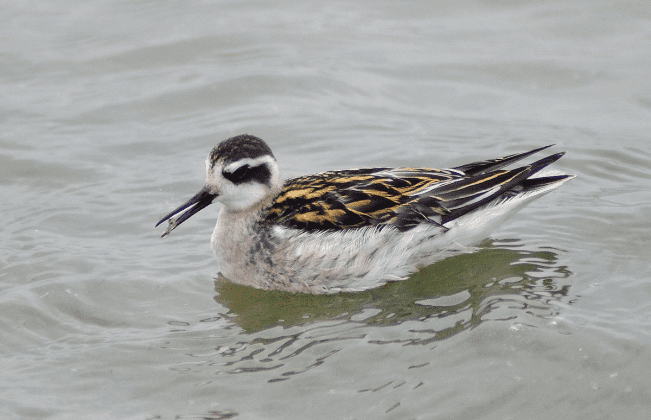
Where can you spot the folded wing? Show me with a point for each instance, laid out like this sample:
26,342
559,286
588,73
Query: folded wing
402,198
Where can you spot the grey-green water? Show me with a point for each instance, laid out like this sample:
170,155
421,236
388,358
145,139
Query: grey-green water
107,110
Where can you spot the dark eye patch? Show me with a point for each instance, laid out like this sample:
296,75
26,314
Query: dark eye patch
246,173
240,173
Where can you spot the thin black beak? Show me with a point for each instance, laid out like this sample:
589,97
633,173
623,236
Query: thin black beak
201,200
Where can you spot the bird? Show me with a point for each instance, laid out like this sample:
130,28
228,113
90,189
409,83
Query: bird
356,229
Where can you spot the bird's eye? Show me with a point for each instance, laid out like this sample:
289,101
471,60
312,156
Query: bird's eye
240,173
248,174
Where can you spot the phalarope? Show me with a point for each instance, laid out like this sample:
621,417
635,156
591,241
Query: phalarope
353,229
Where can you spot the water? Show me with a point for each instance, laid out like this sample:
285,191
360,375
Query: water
108,110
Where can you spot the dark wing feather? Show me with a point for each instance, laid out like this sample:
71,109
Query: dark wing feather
353,198
484,166
402,198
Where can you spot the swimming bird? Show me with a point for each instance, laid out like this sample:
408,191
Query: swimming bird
355,229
